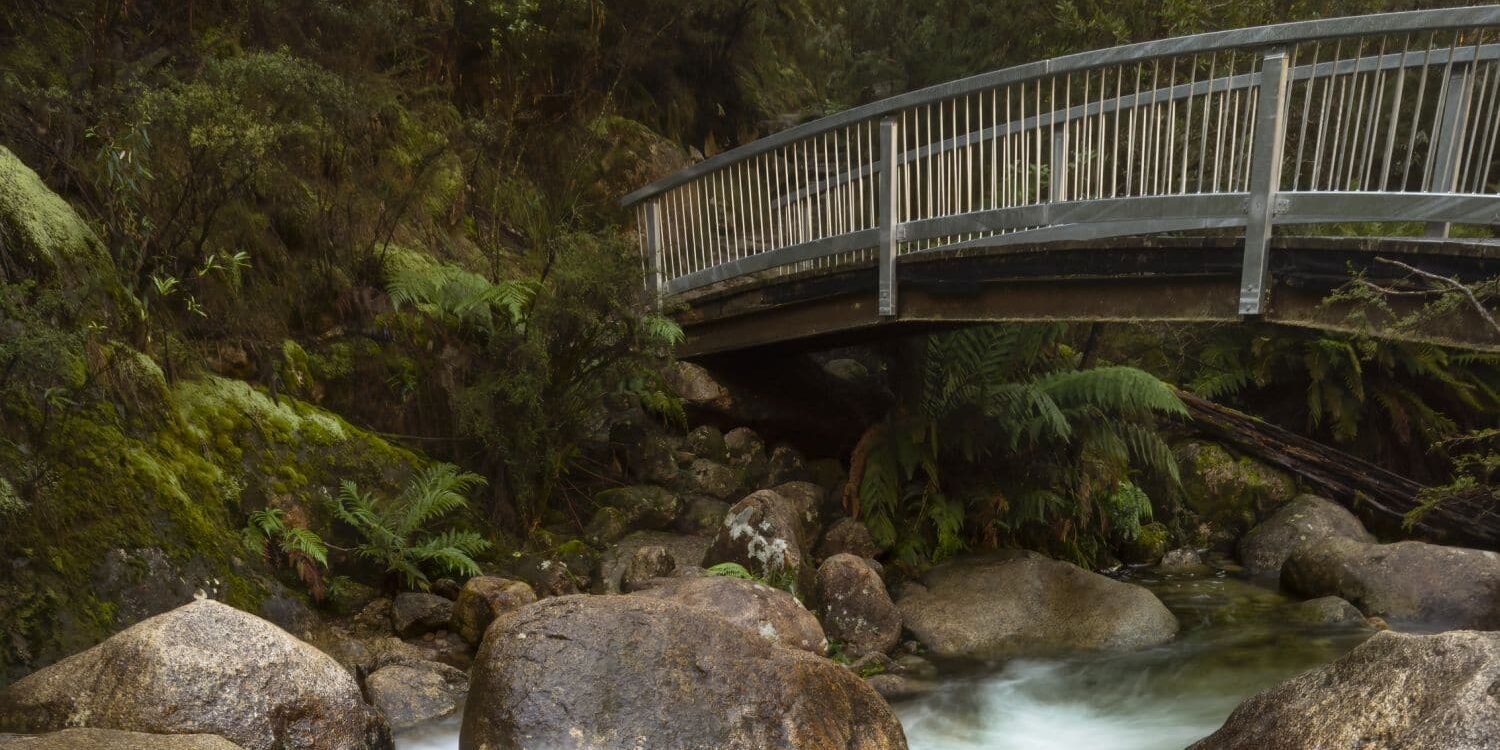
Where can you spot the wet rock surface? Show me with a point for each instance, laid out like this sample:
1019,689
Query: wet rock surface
634,671
202,668
753,607
1393,691
1025,603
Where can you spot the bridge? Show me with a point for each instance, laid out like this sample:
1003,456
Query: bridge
1216,177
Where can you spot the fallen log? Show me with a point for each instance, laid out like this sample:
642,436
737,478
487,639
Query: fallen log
1380,497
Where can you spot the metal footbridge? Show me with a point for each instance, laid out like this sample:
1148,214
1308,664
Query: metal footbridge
1215,177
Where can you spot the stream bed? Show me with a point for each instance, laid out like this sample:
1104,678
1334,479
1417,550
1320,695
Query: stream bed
1235,641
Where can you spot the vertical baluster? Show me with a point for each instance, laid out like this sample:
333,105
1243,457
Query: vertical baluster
887,218
1395,117
1208,102
1411,141
1307,97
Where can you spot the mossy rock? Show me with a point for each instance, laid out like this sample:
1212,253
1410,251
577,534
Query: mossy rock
49,240
1147,547
1230,492
176,477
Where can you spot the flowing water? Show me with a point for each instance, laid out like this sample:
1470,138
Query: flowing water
1235,641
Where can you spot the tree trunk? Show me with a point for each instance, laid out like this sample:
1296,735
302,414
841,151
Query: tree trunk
1378,496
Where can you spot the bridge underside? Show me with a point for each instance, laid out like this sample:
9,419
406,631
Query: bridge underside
1177,279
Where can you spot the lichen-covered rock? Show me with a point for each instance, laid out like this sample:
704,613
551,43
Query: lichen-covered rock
1406,582
1325,610
807,499
484,598
686,549
851,536
1230,493
409,694
1013,604
857,611
414,613
111,739
647,563
756,608
1392,691
202,668
633,671
705,477
1305,520
765,533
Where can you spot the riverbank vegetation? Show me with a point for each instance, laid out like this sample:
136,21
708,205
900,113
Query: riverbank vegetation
268,265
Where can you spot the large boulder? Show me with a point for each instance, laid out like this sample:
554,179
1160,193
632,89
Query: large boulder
766,532
1406,582
112,739
205,668
409,694
1305,520
1393,691
857,611
756,608
687,551
482,599
634,671
1010,604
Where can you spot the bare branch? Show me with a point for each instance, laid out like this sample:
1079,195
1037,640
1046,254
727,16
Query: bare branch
1448,283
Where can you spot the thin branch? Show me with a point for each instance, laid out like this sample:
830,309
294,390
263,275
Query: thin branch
1450,283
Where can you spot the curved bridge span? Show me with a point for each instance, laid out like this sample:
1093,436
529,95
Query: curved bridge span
1195,179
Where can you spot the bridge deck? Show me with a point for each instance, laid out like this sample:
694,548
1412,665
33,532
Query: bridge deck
1189,280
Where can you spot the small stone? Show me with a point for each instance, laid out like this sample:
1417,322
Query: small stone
409,694
414,613
851,536
482,599
1182,561
707,442
1325,610
785,465
647,563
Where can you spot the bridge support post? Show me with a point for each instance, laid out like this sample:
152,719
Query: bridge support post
652,230
1450,132
1265,179
887,235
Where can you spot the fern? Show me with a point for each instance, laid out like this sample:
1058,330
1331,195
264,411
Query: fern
397,535
1070,439
270,536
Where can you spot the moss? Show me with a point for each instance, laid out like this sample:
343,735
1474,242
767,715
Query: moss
1230,492
295,370
182,485
50,240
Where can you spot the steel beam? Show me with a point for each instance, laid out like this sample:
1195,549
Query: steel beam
1265,179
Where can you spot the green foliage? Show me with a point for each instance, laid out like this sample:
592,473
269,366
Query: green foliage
397,535
777,578
731,570
1043,452
461,299
270,536
1475,485
1383,398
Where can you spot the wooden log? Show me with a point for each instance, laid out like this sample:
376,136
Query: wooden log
1380,497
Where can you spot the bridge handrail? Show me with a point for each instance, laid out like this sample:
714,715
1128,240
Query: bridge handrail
1211,131
1413,21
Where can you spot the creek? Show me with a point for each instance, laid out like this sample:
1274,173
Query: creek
1235,641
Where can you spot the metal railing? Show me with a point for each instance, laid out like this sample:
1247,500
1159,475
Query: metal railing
1391,117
